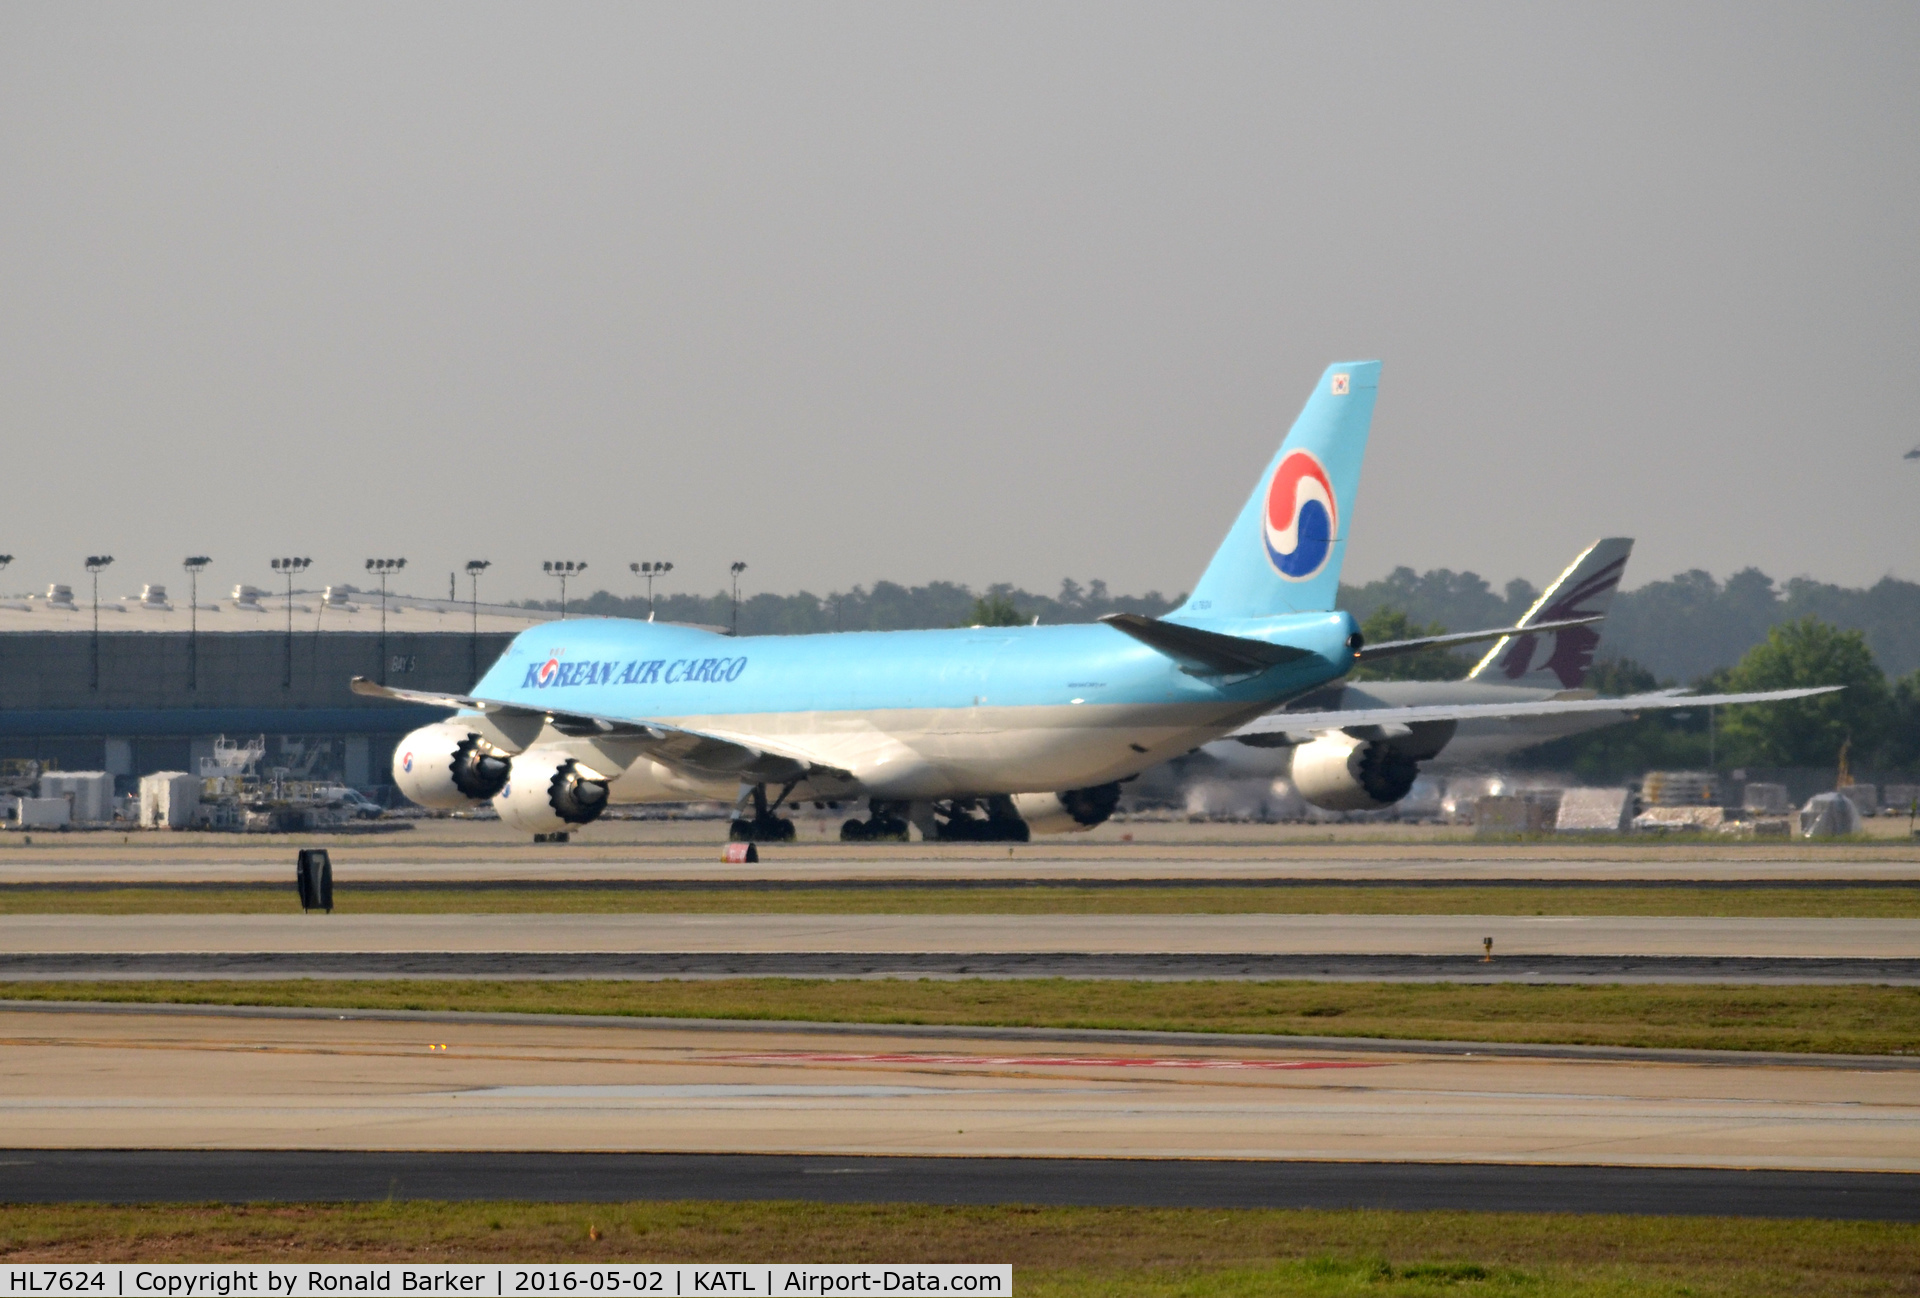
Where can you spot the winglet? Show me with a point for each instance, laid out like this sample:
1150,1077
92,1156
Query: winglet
373,690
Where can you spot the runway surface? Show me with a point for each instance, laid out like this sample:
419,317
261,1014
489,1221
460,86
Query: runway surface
1237,935
148,1176
1050,1038
452,851
129,1080
909,964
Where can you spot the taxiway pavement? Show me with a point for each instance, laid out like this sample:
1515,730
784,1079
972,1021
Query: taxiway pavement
201,1176
1235,934
128,1080
459,851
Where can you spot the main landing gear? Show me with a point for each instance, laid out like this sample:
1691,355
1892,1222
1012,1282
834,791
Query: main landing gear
950,820
888,824
765,826
980,820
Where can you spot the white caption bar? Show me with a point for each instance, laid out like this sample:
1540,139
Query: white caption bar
176,1280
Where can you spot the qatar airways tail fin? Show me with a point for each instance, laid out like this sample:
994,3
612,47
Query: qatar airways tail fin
1561,659
1284,551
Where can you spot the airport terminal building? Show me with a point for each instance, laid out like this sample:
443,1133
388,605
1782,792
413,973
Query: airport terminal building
160,683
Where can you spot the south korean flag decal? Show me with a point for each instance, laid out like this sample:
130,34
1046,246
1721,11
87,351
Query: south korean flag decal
1340,385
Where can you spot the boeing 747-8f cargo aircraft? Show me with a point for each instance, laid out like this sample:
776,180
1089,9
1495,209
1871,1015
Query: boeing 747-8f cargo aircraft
971,733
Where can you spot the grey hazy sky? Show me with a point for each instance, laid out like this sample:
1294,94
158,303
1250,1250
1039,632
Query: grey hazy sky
978,292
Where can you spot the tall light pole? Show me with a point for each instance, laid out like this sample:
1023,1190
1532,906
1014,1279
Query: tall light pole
738,568
5,559
384,568
650,571
195,564
95,562
563,569
474,568
287,568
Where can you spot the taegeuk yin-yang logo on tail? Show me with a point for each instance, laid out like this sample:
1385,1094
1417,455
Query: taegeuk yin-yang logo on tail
1302,517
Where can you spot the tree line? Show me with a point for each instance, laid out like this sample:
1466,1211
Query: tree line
1747,633
1679,629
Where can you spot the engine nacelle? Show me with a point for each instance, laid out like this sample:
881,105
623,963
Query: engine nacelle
549,791
1342,773
1072,812
446,765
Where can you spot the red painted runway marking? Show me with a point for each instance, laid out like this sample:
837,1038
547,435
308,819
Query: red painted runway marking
1043,1061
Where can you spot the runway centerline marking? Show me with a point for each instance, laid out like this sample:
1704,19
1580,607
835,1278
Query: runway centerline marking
1040,1061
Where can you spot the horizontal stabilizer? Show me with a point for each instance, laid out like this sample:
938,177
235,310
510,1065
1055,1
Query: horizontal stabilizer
1391,648
1304,725
1205,653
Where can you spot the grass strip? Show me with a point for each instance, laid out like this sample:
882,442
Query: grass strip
1057,1252
1837,902
1851,1019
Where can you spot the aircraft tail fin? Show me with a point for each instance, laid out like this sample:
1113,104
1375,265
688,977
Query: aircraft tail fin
1284,551
1561,659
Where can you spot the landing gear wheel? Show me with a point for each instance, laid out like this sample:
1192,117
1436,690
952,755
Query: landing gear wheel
853,831
887,829
761,829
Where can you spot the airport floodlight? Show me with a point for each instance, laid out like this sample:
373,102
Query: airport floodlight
650,570
737,569
474,568
287,568
561,569
195,564
383,569
95,562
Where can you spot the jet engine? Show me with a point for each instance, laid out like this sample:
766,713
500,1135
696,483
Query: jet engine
549,791
447,765
1342,773
1072,812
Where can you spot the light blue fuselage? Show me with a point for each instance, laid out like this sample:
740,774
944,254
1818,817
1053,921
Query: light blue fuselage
920,713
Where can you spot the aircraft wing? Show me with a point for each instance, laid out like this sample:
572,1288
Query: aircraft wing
697,753
373,690
1308,724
